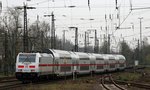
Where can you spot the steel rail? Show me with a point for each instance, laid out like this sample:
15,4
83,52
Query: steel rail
111,79
102,82
6,78
11,86
139,85
5,81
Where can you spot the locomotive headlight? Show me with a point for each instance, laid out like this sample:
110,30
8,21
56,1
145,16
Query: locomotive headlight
31,66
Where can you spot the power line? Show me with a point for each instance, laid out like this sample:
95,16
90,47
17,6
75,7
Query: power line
140,8
124,19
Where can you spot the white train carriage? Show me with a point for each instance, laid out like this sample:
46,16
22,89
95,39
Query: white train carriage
92,62
45,64
121,62
112,62
63,62
83,62
99,63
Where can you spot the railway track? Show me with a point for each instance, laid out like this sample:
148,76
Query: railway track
102,83
110,86
6,78
107,83
10,80
11,86
8,84
14,83
133,84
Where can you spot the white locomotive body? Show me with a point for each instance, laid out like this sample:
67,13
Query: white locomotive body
30,66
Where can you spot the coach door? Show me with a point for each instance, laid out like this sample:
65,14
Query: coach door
106,63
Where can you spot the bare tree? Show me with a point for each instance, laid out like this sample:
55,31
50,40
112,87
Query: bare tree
39,35
11,21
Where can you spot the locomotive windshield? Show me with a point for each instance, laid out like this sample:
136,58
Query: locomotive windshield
27,57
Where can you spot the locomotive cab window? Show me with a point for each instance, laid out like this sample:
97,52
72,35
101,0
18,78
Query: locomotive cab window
27,58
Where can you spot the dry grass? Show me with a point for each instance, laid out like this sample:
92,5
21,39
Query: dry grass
62,86
125,76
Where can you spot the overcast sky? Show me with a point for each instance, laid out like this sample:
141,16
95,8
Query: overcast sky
79,15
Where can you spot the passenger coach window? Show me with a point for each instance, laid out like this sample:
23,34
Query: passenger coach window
84,58
111,58
65,58
27,58
120,58
99,58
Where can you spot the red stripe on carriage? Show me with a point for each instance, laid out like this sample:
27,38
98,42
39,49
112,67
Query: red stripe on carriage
47,65
77,64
